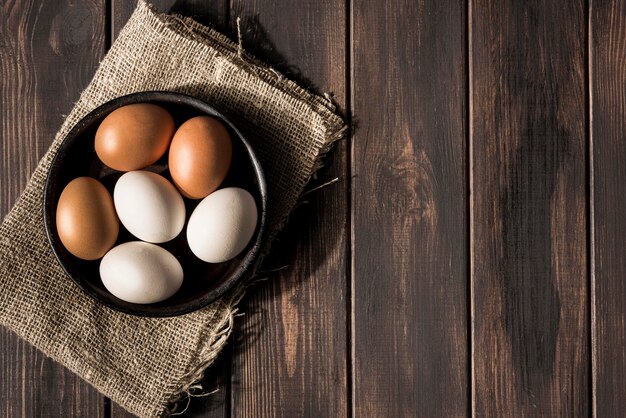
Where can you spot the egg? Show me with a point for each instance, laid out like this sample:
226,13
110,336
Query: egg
140,272
222,225
134,136
200,156
85,219
149,206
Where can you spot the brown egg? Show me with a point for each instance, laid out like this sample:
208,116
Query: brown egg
134,136
86,220
200,156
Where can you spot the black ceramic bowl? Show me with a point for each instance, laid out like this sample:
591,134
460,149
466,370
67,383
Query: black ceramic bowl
203,282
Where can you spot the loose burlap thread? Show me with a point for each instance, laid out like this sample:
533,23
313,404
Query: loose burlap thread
146,364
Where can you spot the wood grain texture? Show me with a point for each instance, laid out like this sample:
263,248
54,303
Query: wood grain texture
44,64
212,12
217,377
528,208
410,253
291,348
120,11
608,153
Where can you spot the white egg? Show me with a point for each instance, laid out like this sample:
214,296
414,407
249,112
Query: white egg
140,272
149,206
222,225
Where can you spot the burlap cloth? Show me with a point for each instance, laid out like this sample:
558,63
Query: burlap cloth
147,364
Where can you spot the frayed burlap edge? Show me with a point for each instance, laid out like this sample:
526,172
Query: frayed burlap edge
207,354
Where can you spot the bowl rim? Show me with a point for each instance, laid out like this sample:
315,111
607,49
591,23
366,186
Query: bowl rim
252,257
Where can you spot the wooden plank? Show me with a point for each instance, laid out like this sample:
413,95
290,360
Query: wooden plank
291,346
213,13
120,11
32,385
217,377
410,252
608,169
528,208
48,52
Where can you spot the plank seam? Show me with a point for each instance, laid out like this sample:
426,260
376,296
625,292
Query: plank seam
350,267
108,24
470,217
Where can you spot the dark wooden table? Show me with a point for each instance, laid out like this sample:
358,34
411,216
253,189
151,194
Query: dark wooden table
471,259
